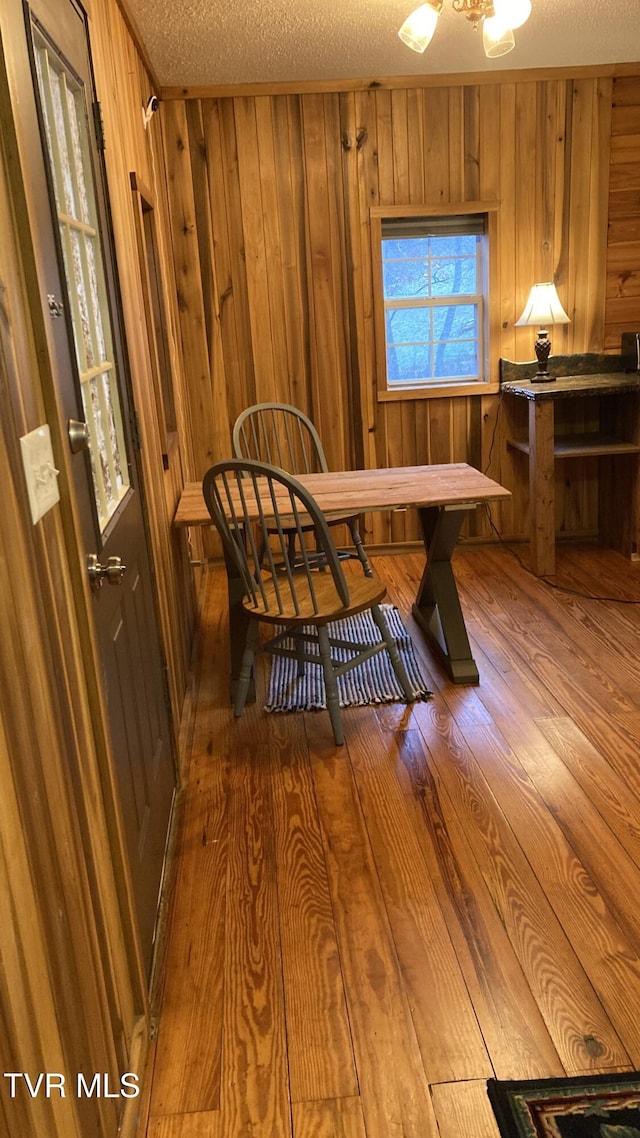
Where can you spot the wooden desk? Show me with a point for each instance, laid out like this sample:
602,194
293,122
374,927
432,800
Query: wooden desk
618,434
442,495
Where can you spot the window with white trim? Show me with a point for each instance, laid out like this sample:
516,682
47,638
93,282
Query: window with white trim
433,312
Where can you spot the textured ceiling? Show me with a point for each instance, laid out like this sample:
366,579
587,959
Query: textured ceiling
195,42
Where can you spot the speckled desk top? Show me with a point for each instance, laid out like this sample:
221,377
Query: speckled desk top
576,386
575,376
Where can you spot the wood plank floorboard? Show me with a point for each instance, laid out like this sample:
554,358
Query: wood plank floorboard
393,1084
609,632
337,1118
616,800
201,1124
512,1024
566,663
463,1108
360,936
320,1054
430,969
544,897
255,1084
188,1051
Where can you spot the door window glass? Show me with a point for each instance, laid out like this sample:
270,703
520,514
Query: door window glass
67,139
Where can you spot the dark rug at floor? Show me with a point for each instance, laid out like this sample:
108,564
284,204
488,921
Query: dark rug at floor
597,1106
373,681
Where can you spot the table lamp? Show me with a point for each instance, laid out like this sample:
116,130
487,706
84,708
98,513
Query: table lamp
543,308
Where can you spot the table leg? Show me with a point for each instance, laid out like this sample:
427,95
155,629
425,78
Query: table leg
437,607
542,497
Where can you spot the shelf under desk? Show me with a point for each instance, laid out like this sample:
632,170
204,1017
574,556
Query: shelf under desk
585,378
580,446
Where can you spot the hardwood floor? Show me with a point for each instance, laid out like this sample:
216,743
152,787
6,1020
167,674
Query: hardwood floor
361,936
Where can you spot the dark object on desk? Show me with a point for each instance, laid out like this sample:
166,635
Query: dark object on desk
280,584
631,351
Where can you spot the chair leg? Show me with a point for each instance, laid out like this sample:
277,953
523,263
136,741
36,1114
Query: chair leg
246,668
392,649
299,643
330,684
320,558
360,549
291,545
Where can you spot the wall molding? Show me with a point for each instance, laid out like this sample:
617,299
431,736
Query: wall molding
399,82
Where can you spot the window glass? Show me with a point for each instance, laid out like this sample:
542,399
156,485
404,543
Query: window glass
434,308
66,128
405,278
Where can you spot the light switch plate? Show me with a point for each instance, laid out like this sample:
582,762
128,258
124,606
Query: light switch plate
40,472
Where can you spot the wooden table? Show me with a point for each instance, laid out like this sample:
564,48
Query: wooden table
442,495
618,434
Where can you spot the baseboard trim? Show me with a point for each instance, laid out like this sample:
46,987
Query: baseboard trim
138,1062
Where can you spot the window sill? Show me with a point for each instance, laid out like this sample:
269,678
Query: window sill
445,391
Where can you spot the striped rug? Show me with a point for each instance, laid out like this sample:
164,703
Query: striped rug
373,681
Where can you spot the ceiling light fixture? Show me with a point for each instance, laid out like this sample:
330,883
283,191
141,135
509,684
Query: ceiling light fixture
499,18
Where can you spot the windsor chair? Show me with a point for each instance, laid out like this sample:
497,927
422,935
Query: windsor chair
266,519
284,436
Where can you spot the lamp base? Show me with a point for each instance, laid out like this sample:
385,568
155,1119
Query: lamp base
542,347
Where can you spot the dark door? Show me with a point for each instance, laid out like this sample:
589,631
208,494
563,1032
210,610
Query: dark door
65,175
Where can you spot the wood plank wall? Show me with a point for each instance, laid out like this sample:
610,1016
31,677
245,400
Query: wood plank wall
269,198
623,245
72,986
622,305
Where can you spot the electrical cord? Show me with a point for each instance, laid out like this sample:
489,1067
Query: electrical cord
493,437
545,580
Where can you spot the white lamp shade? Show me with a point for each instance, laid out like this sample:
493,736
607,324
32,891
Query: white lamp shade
497,39
543,307
419,27
512,13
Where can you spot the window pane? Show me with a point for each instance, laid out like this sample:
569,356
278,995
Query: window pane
65,198
460,246
404,247
456,359
455,322
408,362
406,279
408,325
453,276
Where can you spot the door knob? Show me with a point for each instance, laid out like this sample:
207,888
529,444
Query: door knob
79,438
112,572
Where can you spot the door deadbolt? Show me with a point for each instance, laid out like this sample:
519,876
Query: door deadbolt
56,307
78,435
112,572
